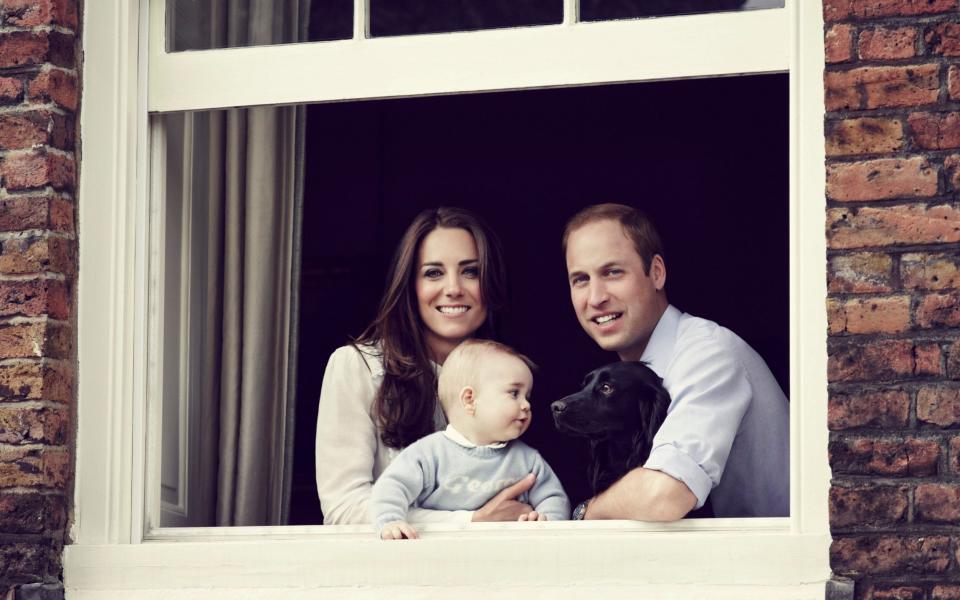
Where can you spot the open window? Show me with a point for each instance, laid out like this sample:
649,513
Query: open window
525,120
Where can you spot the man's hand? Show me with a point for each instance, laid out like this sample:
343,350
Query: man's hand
533,516
398,530
504,506
643,495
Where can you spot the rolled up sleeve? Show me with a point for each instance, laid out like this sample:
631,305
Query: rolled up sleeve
709,395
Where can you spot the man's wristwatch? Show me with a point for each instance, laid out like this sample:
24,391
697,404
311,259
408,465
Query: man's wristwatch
580,511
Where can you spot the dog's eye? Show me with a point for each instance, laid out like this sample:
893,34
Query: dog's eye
606,389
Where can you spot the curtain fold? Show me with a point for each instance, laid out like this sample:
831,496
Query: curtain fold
251,301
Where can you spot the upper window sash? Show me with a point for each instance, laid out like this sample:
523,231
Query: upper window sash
571,53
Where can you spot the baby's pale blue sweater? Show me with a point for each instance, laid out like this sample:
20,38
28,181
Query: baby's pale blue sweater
438,473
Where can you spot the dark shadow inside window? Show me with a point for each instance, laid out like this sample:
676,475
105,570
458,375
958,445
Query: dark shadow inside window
706,159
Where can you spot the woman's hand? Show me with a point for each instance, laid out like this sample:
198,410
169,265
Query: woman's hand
504,506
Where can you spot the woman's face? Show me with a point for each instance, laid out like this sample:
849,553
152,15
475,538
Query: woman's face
448,289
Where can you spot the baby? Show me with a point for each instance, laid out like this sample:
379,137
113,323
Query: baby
484,388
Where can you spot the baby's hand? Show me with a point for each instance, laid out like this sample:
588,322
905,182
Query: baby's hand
533,516
398,530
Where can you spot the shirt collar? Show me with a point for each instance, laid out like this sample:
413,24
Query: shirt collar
660,346
452,433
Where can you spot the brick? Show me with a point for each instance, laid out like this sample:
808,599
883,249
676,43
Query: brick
30,48
871,506
835,10
52,382
38,168
838,43
890,226
943,39
893,592
861,272
883,87
953,82
871,361
21,256
885,43
939,310
36,212
953,361
890,554
24,130
54,85
27,129
938,406
881,179
910,457
27,562
11,90
951,167
35,340
840,90
34,298
34,467
32,513
928,358
33,13
945,592
872,315
953,462
935,131
863,136
881,409
27,425
937,503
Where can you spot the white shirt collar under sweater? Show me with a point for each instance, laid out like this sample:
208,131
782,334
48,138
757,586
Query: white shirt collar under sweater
452,433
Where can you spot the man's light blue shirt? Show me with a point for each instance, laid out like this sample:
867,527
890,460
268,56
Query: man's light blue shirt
727,431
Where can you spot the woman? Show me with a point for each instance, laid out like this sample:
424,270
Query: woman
446,283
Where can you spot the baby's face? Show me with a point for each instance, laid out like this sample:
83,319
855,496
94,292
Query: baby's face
502,398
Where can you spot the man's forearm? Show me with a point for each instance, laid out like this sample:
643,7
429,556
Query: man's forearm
643,495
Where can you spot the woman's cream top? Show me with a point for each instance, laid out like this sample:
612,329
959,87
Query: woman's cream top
350,454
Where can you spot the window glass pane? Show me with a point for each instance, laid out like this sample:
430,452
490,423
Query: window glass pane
404,17
206,24
601,10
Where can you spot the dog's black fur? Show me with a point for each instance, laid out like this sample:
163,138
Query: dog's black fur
619,410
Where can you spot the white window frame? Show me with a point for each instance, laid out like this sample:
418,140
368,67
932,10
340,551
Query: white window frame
117,550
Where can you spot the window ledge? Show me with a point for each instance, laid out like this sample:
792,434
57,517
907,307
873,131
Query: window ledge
535,555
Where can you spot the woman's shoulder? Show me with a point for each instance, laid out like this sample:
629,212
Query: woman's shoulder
368,357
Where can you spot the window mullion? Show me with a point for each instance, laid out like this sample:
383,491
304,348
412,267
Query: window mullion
571,12
361,19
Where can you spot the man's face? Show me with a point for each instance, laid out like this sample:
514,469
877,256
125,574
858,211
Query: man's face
617,303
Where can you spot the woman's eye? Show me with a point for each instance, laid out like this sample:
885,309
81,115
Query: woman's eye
432,273
471,272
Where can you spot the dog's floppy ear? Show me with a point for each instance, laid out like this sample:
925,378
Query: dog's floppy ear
653,410
658,412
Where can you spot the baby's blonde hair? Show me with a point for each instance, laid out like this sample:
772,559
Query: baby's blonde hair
462,367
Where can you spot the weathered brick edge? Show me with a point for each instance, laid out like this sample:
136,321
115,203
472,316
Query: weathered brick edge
39,93
892,92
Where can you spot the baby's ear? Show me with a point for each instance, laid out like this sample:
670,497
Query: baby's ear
468,400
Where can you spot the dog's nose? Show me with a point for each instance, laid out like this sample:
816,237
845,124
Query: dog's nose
558,407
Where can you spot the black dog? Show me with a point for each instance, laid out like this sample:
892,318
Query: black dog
619,410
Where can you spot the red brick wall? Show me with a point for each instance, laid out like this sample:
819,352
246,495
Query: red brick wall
38,250
892,90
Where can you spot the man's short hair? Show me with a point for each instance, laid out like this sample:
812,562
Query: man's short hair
462,367
636,226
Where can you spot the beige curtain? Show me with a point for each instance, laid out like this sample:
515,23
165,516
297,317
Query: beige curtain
254,162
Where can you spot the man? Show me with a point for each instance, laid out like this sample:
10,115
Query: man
726,434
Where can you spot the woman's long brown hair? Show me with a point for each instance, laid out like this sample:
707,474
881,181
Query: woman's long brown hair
405,404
